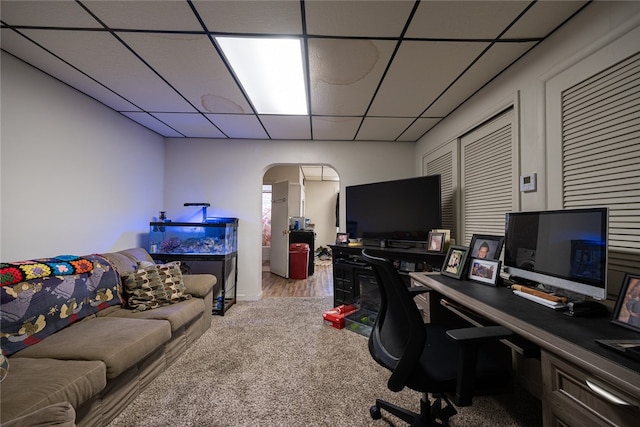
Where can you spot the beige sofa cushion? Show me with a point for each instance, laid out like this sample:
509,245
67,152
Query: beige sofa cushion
52,381
118,342
178,314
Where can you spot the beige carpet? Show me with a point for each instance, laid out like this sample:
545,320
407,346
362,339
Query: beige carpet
275,363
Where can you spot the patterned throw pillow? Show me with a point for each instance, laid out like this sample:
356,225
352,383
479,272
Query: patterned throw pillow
145,290
171,276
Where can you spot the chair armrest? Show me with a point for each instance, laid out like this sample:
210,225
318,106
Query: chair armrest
417,290
469,340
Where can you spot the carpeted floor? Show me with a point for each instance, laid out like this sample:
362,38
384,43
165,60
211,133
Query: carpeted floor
274,362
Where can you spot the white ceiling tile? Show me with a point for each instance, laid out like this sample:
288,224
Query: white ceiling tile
256,17
329,174
171,15
152,123
335,128
419,73
312,172
344,74
463,19
418,129
543,18
32,54
382,128
357,18
497,58
287,127
239,126
207,84
190,125
319,173
47,13
115,66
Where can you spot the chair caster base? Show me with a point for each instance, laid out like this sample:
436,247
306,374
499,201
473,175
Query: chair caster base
375,412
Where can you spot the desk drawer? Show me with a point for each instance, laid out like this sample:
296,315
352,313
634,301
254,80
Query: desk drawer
572,396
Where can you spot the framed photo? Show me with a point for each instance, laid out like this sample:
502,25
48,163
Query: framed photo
630,348
342,238
436,241
627,310
486,247
484,271
455,260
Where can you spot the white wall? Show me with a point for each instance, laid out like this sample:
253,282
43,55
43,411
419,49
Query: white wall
229,175
321,210
599,25
76,177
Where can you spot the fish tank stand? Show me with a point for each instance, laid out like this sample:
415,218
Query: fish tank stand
209,247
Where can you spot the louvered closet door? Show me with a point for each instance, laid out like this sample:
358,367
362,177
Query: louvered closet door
488,175
601,156
444,162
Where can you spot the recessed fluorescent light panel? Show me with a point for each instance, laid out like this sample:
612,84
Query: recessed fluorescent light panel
271,72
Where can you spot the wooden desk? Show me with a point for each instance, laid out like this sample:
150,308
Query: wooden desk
579,377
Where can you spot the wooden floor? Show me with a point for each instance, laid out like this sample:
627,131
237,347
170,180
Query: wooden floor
319,284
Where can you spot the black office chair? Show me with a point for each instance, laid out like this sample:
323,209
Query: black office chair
450,364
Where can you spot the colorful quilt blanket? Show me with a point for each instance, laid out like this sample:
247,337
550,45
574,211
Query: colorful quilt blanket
50,295
63,265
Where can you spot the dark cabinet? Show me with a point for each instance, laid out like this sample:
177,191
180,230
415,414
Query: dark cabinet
354,281
345,289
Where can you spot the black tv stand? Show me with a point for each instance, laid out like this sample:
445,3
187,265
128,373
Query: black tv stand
401,245
350,271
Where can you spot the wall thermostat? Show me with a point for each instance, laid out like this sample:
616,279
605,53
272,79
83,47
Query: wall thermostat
528,182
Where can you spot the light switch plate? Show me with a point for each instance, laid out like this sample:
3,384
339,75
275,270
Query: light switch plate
528,182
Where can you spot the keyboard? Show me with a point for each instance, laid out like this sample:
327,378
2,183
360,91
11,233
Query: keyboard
551,304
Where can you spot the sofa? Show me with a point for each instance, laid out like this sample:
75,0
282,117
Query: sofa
103,332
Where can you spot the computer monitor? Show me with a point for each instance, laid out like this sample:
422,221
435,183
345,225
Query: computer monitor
566,249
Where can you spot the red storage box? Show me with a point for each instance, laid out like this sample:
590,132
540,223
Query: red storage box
335,316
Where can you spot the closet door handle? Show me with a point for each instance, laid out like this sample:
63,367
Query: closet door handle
610,397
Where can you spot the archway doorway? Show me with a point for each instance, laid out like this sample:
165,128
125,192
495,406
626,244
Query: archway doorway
312,196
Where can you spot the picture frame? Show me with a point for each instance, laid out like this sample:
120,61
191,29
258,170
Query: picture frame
436,241
630,348
485,246
626,312
454,261
484,271
342,238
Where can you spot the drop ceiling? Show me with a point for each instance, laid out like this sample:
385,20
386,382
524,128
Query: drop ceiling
319,173
375,70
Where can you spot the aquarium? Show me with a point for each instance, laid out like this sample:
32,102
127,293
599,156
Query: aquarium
215,236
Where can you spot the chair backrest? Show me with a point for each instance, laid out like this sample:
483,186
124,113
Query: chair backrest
398,335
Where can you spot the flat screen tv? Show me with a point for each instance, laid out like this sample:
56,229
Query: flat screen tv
566,249
400,210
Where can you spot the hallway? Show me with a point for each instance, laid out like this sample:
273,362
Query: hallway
319,284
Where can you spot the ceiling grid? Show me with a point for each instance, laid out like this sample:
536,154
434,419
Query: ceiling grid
375,70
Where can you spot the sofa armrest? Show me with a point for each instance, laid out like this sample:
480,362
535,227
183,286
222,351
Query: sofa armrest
199,285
